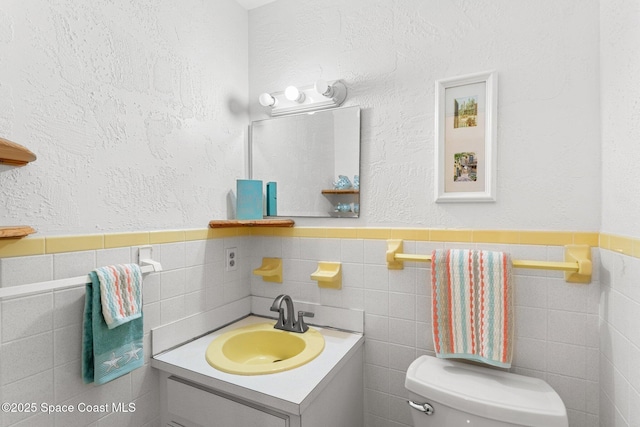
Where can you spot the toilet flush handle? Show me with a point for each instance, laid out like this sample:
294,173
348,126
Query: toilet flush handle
422,407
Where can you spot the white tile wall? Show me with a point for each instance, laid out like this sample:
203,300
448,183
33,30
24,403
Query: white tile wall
619,340
556,323
25,270
41,335
73,264
26,316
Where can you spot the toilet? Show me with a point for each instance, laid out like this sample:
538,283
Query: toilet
447,393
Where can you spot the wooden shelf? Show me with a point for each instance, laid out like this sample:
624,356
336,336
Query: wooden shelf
337,191
14,154
14,232
227,223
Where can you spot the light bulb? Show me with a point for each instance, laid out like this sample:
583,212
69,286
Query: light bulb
292,93
267,100
323,88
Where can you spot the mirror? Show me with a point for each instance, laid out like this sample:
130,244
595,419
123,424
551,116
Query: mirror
304,154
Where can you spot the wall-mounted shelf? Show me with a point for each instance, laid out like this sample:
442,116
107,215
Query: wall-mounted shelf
14,154
337,191
228,223
351,195
15,232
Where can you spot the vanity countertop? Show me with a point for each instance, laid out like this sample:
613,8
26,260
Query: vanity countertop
289,391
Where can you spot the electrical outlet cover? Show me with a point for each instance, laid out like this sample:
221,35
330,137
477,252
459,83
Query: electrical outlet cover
231,259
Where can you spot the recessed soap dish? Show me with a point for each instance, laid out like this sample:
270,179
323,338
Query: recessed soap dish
328,275
270,270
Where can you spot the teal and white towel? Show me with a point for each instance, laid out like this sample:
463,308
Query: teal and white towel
109,351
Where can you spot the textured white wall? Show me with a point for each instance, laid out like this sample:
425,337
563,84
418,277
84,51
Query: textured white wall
391,52
136,111
620,95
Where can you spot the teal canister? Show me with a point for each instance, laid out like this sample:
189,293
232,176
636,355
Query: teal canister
272,199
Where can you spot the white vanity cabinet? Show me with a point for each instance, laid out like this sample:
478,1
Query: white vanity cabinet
192,406
328,391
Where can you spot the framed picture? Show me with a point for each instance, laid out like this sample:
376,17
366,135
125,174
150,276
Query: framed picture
465,154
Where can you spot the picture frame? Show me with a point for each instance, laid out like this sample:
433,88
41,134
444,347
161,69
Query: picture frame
465,136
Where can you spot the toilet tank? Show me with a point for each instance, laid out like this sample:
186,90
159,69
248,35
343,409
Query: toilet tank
481,396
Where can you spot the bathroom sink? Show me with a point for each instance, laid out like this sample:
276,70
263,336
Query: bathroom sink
260,349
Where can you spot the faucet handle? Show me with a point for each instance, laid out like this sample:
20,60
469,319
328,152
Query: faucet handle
300,326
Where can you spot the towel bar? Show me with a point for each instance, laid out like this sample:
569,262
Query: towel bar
148,266
577,265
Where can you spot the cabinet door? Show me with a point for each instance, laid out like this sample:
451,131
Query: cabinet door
206,408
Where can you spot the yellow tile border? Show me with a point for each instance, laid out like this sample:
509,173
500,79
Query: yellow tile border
309,232
447,235
280,232
57,244
404,233
197,234
496,236
586,238
243,231
22,247
545,238
621,244
514,237
119,240
342,233
166,236
374,233
423,235
636,248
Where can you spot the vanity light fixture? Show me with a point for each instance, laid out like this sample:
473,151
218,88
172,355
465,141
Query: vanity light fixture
324,88
321,95
267,100
293,94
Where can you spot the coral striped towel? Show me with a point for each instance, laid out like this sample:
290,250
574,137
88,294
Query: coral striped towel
472,305
120,293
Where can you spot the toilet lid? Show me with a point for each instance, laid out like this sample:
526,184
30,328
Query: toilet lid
487,392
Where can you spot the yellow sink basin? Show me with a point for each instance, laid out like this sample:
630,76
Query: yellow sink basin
260,349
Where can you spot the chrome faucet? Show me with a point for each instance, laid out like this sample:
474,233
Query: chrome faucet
283,323
289,322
